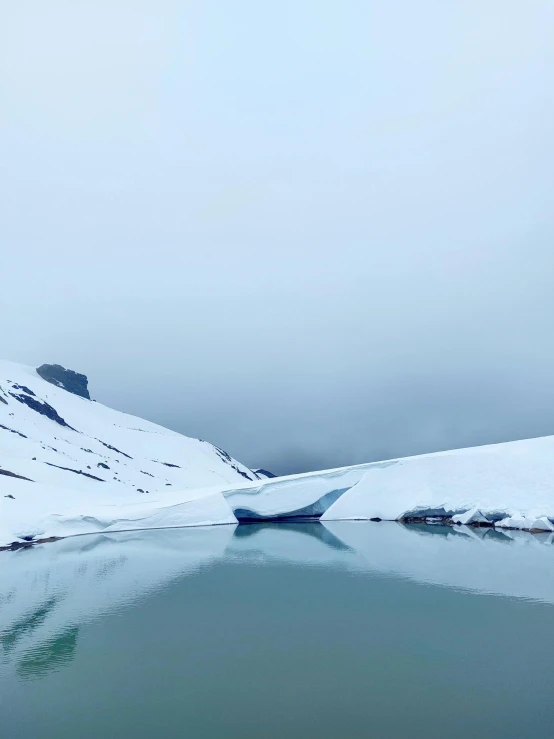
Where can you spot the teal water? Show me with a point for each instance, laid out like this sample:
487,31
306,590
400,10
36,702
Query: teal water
346,630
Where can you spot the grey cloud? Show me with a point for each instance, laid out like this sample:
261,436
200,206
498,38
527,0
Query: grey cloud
315,235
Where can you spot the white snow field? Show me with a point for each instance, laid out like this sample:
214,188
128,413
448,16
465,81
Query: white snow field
71,466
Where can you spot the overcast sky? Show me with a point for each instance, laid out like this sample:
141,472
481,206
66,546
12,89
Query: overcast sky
313,232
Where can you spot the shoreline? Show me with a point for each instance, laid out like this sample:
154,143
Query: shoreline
407,521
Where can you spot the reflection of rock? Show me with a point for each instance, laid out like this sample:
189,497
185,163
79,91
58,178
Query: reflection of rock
303,542
26,624
53,653
312,528
47,592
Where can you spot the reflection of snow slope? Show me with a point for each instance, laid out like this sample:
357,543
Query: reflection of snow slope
486,561
308,543
46,591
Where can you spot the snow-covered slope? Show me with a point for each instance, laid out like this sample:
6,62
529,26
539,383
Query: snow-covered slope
63,455
509,485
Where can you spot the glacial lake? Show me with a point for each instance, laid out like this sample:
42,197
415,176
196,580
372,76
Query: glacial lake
338,631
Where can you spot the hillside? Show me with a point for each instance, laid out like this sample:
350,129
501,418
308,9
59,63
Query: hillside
59,449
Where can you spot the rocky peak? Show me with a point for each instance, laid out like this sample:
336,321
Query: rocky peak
69,380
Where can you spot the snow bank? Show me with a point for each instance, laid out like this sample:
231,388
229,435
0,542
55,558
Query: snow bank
508,485
39,511
297,496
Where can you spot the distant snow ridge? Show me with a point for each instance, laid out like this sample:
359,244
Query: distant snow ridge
71,466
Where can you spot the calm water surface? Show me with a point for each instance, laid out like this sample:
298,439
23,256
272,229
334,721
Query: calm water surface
345,630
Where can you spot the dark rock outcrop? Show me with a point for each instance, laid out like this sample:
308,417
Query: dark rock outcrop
222,454
24,388
13,431
15,545
12,474
69,380
114,449
45,409
77,472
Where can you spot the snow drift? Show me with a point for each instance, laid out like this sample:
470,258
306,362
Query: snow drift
507,485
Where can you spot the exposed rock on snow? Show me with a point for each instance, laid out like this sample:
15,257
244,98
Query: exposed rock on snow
7,473
262,474
67,379
45,409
